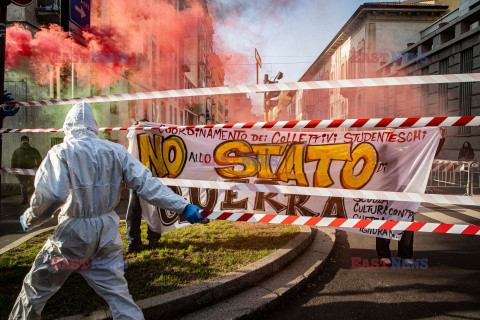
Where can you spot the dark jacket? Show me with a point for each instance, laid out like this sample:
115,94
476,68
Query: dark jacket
466,153
440,146
26,157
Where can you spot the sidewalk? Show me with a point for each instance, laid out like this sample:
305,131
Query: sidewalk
247,291
10,229
12,209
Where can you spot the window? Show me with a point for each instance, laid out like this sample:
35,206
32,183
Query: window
424,93
55,141
113,108
466,66
51,4
442,88
361,63
131,109
172,119
163,112
360,105
155,72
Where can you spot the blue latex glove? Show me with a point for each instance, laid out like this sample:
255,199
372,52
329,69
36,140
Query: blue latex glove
9,112
7,96
8,107
23,226
192,214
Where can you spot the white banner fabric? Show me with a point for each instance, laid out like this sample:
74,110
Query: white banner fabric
388,160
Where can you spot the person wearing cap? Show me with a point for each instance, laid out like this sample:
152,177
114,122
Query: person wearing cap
26,157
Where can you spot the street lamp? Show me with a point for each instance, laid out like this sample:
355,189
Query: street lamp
268,102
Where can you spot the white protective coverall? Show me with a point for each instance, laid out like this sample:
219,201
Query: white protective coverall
82,175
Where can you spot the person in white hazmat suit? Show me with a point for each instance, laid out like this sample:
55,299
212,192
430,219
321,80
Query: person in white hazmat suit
82,175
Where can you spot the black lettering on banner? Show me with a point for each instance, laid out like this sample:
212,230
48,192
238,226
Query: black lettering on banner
169,217
295,202
335,208
231,195
211,200
261,198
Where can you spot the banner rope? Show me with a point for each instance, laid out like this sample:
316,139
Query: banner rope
307,85
460,121
343,222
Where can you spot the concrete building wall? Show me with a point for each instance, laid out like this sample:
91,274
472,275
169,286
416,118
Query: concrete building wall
450,45
24,88
373,31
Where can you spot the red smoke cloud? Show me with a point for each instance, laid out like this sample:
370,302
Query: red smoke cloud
121,28
51,46
125,28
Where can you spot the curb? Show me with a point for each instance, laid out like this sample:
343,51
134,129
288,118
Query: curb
178,302
24,239
254,302
293,287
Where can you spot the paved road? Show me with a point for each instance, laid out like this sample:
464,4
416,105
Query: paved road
448,289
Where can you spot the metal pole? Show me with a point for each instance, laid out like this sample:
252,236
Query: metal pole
3,35
73,75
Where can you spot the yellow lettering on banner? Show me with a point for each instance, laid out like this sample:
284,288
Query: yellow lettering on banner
357,170
367,153
174,155
241,150
293,161
150,157
325,154
263,152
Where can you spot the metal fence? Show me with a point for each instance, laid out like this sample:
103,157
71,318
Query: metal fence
454,174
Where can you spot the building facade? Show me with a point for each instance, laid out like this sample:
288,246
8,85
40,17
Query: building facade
374,35
179,61
450,45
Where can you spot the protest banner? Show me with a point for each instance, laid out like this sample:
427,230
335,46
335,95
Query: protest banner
389,160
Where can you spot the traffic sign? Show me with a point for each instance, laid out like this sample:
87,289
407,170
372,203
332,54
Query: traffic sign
80,12
22,3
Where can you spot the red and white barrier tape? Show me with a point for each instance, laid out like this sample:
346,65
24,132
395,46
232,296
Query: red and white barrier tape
310,191
465,121
318,221
453,167
344,223
448,165
325,84
23,172
325,192
471,163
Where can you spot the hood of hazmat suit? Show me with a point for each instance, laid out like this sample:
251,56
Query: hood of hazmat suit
83,177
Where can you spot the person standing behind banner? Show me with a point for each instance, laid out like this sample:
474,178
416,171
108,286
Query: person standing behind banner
441,143
466,153
26,157
405,244
133,221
